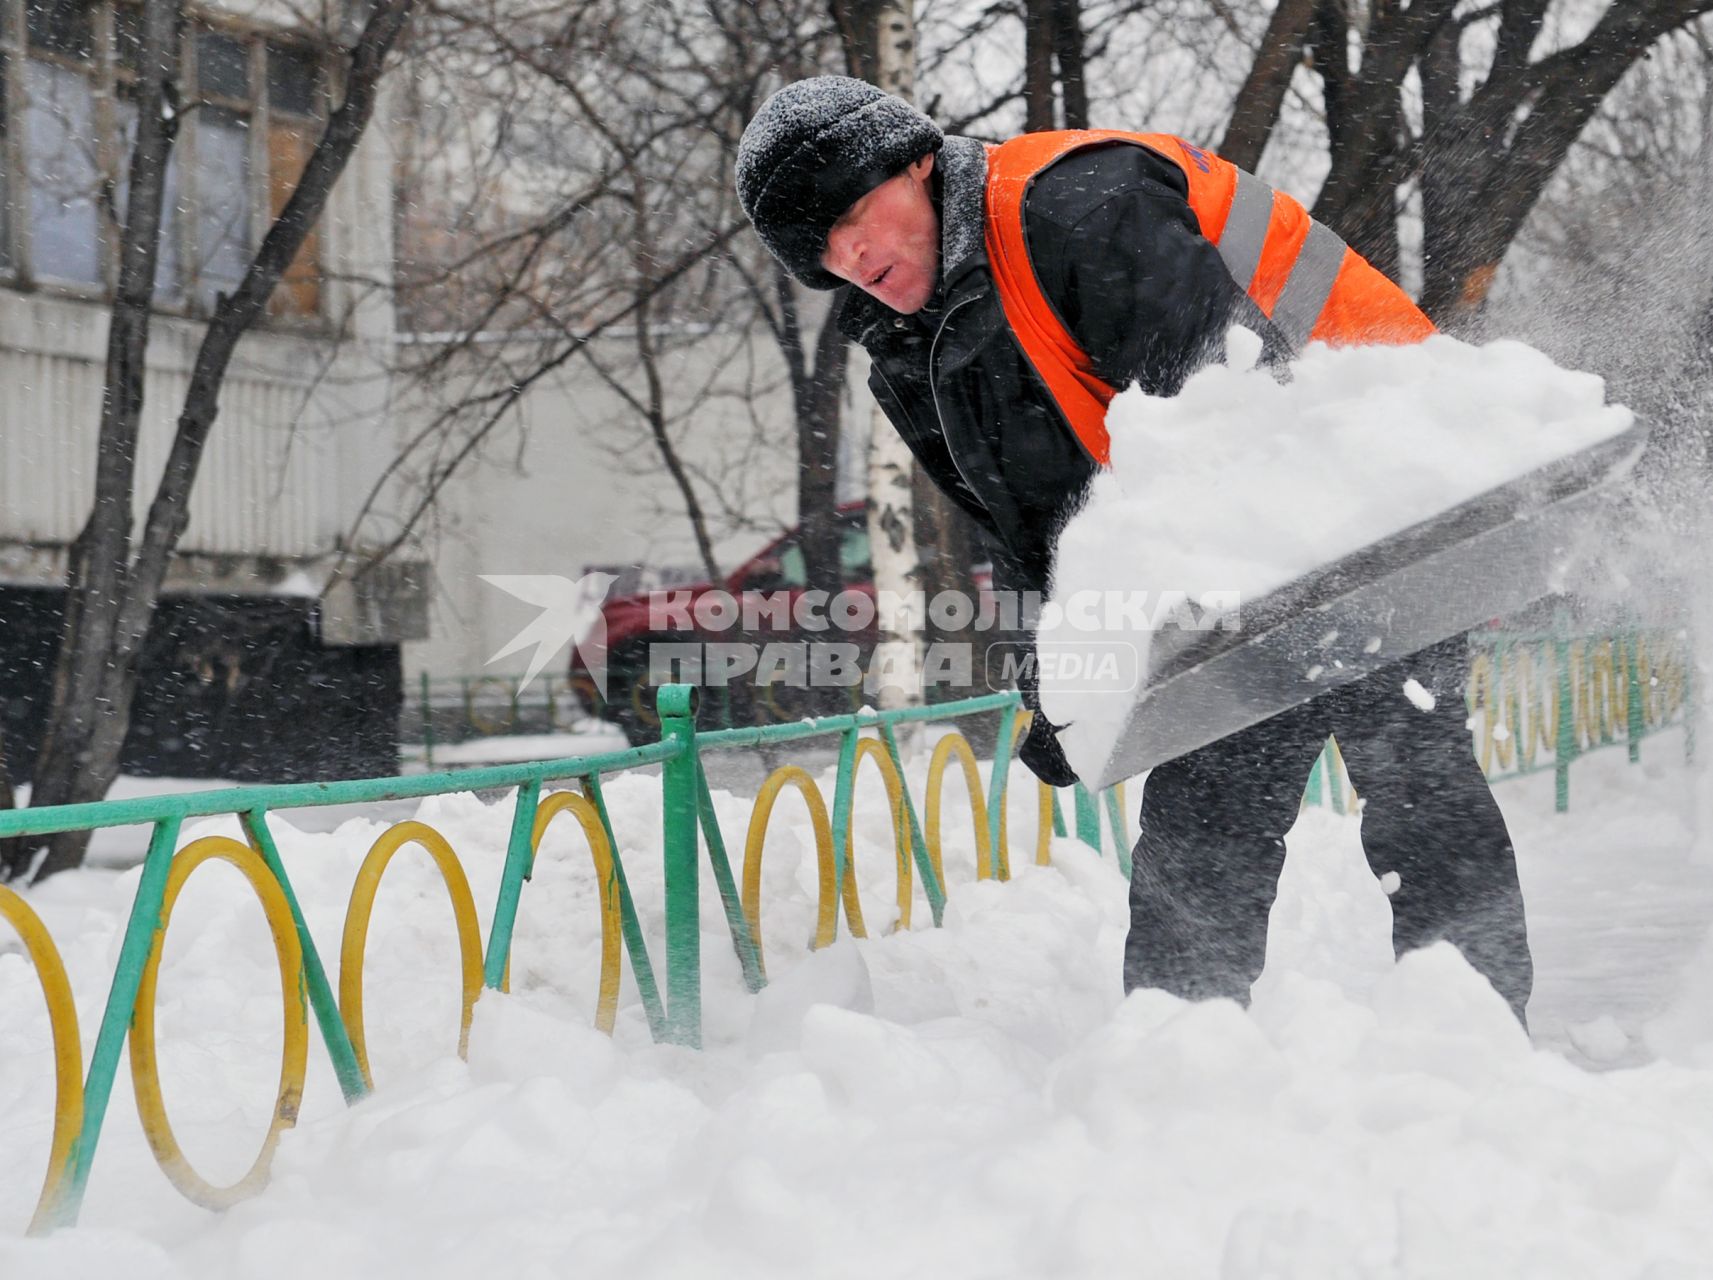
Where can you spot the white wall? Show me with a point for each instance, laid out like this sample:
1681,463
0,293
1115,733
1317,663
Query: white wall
303,429
572,481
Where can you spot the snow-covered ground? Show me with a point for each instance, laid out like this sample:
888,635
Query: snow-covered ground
977,1100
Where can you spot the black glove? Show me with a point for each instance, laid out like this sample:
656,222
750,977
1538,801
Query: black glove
1041,750
1043,754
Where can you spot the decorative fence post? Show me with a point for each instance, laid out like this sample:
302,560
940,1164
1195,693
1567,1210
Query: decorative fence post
140,931
334,1034
1314,793
678,798
1564,748
1088,817
1635,720
520,861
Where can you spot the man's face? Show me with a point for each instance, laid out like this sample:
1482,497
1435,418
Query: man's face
888,242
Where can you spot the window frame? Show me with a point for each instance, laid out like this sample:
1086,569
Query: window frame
18,271
12,39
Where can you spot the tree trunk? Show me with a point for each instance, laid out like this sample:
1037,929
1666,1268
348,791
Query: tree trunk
1262,96
946,539
1329,51
858,25
1040,109
1068,49
896,668
1359,196
1483,171
816,388
1441,185
9,849
87,718
111,596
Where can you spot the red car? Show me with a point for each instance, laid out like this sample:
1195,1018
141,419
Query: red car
698,613
762,646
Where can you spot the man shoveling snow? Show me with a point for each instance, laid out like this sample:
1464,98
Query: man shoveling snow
1005,294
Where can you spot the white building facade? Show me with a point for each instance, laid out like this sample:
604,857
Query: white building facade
303,431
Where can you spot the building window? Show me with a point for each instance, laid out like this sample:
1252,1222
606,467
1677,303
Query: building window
254,104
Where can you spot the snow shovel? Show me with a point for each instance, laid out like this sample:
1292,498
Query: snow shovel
1485,558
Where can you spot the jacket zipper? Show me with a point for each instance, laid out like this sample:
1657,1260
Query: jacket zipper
897,399
934,393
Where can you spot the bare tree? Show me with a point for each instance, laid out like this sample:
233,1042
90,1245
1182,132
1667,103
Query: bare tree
11,851
1495,120
113,584
881,42
1055,92
1448,114
1262,96
804,327
585,193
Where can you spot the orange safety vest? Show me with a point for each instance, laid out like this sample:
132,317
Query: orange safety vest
1305,279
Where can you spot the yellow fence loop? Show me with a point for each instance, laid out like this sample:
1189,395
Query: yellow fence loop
1516,700
1518,692
826,921
955,745
874,749
145,1070
1662,679
362,907
68,1048
1043,804
1484,701
1600,699
1043,825
612,920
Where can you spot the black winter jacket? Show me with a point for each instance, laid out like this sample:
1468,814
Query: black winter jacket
1121,258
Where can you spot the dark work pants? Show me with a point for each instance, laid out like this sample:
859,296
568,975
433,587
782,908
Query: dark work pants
1206,866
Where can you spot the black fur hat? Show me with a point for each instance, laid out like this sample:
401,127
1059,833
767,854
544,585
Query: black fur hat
812,151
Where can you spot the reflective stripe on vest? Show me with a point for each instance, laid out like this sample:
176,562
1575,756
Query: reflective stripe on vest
1299,272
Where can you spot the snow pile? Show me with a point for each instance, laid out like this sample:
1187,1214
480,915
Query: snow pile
977,1100
1240,483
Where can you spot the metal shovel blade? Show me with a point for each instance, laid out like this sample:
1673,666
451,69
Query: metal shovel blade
1478,561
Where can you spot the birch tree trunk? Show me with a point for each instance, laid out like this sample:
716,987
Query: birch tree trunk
894,676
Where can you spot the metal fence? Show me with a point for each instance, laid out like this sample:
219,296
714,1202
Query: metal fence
1537,701
449,709
1542,699
671,1004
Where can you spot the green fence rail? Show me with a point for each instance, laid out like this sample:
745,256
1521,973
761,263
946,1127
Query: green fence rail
691,834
